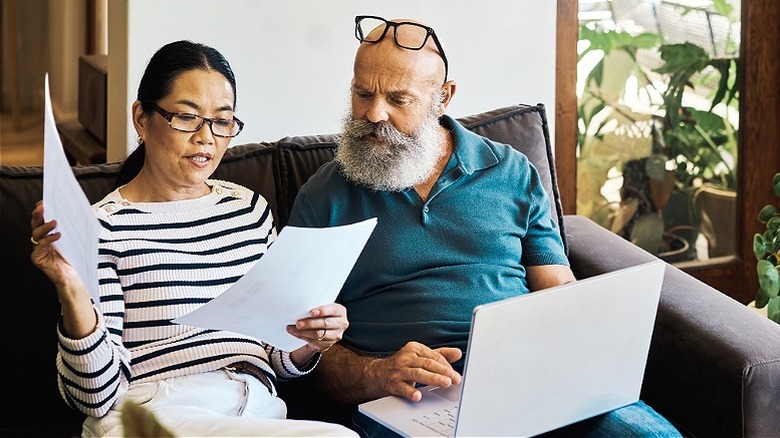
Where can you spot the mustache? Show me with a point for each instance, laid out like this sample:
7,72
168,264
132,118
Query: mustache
359,129
378,156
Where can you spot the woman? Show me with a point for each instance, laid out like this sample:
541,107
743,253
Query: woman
171,240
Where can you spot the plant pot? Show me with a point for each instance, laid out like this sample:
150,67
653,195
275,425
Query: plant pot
718,209
681,224
675,249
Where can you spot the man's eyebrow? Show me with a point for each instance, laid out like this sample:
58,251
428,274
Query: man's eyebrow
401,94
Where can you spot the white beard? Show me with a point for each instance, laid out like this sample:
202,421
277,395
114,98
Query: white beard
394,161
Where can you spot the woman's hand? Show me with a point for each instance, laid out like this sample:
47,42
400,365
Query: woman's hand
44,256
324,327
78,316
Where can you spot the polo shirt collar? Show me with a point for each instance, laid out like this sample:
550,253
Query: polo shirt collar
472,151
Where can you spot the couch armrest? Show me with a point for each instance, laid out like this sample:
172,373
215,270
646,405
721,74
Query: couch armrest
714,365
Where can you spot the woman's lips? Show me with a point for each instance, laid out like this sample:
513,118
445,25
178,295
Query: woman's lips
200,160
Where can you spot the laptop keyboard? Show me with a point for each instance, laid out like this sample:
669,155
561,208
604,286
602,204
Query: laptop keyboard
441,422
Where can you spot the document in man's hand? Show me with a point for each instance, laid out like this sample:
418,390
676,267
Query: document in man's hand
304,268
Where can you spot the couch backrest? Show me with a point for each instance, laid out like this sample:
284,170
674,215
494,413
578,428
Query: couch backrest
276,170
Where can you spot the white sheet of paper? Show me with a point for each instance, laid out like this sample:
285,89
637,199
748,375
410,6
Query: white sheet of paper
65,201
303,269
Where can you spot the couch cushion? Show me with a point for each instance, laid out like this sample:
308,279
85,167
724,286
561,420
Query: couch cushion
299,158
254,165
30,306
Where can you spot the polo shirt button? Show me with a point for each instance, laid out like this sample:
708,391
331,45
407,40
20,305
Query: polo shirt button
110,208
425,209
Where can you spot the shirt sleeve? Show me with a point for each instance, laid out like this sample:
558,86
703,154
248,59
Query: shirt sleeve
542,243
93,372
283,366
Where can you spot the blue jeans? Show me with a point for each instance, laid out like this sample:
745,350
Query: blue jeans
633,421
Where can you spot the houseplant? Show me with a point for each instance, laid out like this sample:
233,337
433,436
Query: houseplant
660,153
766,247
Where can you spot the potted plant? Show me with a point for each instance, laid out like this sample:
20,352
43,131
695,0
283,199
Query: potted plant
701,145
766,247
663,154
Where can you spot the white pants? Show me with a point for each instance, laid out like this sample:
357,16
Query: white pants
219,403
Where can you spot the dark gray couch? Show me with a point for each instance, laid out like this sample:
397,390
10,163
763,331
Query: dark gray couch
713,367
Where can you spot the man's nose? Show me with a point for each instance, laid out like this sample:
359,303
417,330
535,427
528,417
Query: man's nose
378,111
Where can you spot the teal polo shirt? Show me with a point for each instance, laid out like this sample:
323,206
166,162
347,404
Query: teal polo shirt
429,263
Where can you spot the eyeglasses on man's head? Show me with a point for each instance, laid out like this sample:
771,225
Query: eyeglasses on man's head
412,36
187,122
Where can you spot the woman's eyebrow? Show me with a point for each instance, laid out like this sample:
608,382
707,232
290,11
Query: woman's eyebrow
195,106
189,103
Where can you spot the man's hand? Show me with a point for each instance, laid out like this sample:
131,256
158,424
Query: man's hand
414,364
352,378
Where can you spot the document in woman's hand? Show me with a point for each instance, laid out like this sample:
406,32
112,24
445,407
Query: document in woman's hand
303,269
65,201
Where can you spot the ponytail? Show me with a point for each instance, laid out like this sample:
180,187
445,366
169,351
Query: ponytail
132,166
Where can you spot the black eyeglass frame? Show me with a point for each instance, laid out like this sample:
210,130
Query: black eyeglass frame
168,115
388,24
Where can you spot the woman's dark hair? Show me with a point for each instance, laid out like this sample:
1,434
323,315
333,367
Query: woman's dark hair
170,61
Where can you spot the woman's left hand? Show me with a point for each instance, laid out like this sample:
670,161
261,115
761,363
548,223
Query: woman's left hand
324,327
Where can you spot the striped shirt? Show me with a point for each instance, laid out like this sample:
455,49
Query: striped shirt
157,262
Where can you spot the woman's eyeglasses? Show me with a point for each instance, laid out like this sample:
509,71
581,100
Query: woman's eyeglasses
187,122
412,36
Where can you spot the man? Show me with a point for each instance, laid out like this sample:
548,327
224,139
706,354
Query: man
462,221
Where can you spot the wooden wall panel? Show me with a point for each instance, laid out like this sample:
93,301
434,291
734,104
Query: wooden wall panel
566,103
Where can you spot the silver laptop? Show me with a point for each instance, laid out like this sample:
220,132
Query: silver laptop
541,361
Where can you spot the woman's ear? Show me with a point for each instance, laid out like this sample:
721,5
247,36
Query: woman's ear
139,119
447,90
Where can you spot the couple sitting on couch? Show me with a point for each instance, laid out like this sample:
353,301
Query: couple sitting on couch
172,239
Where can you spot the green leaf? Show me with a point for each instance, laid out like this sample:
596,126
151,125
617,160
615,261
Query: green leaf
766,213
709,122
686,57
773,310
646,40
773,225
723,7
776,183
722,66
768,278
138,421
762,298
759,249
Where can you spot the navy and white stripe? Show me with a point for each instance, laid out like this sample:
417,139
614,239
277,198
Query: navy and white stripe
159,261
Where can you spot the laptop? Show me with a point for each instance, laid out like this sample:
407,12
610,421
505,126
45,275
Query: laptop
541,361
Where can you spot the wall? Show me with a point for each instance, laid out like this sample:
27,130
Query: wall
24,28
293,59
67,42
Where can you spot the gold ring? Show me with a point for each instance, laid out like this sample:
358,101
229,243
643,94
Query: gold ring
324,332
32,239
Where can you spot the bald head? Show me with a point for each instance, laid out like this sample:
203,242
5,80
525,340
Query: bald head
387,56
398,75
